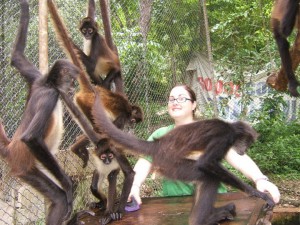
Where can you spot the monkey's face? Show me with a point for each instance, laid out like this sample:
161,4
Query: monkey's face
136,115
88,32
107,157
104,154
88,28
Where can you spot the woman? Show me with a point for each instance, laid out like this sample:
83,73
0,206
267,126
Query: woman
181,107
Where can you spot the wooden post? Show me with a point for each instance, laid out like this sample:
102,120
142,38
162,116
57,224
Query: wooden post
43,52
43,36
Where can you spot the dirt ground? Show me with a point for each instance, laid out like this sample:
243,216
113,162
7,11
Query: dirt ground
290,193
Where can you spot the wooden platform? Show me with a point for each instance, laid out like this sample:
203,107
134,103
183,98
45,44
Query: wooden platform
175,211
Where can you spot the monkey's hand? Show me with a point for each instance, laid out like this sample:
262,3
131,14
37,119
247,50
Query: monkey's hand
108,217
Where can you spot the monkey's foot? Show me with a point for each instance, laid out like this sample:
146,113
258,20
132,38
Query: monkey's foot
223,213
116,215
108,217
76,218
105,219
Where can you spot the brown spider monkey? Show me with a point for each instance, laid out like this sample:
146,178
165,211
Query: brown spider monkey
30,152
171,154
118,109
283,20
108,164
98,57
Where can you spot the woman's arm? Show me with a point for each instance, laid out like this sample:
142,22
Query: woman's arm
142,169
248,167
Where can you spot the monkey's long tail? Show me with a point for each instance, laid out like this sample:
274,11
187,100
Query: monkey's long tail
4,141
127,141
67,45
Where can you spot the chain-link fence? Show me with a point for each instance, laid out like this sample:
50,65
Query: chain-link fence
160,43
153,58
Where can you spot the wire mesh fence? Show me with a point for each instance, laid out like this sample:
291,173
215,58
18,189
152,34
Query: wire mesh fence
148,69
158,45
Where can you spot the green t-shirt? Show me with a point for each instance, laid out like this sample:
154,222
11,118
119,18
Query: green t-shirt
175,187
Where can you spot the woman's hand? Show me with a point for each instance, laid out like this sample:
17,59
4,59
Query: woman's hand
267,186
135,193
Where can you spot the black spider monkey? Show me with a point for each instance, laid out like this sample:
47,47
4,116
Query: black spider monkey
211,139
118,104
98,57
30,151
283,20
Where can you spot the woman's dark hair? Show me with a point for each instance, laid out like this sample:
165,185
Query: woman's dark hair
189,90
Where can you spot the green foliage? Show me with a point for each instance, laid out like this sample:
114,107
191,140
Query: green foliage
277,150
241,36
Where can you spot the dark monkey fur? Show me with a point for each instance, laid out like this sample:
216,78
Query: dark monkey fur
30,151
283,20
119,110
173,156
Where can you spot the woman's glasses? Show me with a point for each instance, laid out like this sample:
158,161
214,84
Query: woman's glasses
179,99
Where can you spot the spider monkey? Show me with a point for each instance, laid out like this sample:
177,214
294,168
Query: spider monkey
98,58
30,152
283,20
108,163
117,107
172,156
119,110
108,167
